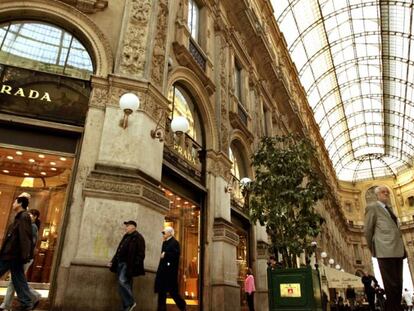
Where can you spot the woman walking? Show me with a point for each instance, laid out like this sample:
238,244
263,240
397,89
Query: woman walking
249,289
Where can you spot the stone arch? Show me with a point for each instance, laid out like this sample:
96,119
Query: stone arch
65,16
195,87
238,138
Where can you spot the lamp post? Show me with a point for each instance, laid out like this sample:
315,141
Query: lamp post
338,267
128,102
331,262
323,256
314,244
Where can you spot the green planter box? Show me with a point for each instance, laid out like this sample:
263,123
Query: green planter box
294,289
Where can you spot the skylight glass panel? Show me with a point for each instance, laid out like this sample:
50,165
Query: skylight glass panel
356,75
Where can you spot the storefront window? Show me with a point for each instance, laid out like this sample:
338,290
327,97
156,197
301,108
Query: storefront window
45,176
184,217
242,262
44,47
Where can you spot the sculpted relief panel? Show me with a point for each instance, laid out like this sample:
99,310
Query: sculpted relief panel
135,39
158,57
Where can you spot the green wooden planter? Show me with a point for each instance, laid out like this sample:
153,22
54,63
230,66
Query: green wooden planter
294,289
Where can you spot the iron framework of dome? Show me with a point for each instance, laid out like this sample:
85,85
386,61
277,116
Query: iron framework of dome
355,59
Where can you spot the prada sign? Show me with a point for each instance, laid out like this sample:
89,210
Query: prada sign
43,96
29,93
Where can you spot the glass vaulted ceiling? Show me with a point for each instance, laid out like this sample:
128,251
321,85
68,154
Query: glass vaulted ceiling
355,59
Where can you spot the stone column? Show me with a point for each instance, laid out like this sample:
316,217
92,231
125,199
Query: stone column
222,293
261,299
118,179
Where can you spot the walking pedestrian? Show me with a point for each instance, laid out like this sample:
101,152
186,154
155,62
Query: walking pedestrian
8,298
17,249
166,280
249,289
128,262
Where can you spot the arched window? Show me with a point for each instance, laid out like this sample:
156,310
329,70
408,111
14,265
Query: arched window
182,104
44,47
238,171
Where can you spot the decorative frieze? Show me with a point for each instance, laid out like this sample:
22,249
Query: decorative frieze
124,185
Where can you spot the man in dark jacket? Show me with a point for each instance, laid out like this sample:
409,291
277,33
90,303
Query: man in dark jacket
128,262
17,250
166,279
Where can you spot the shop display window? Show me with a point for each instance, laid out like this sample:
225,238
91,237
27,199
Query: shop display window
184,217
45,176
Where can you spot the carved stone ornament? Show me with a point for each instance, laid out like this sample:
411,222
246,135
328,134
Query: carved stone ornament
88,6
135,39
224,231
124,185
218,164
99,97
158,55
223,97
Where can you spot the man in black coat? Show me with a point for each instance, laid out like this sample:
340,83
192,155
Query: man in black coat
128,262
17,250
166,279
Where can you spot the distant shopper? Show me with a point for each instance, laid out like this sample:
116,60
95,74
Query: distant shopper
272,262
17,249
128,262
408,300
385,242
350,296
7,302
166,280
369,287
249,289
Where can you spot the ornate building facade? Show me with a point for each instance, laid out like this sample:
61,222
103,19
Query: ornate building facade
224,66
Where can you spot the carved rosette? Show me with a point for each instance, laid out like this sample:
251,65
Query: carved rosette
135,39
158,55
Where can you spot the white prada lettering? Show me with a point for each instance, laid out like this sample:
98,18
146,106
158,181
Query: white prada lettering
32,94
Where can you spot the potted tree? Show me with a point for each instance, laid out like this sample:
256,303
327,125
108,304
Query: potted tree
282,198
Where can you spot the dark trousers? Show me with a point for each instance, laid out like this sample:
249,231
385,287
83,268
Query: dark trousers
19,281
162,300
391,272
250,301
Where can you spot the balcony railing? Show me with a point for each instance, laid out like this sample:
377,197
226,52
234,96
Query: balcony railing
197,55
242,114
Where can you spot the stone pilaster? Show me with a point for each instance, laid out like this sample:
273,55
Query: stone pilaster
118,179
224,286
